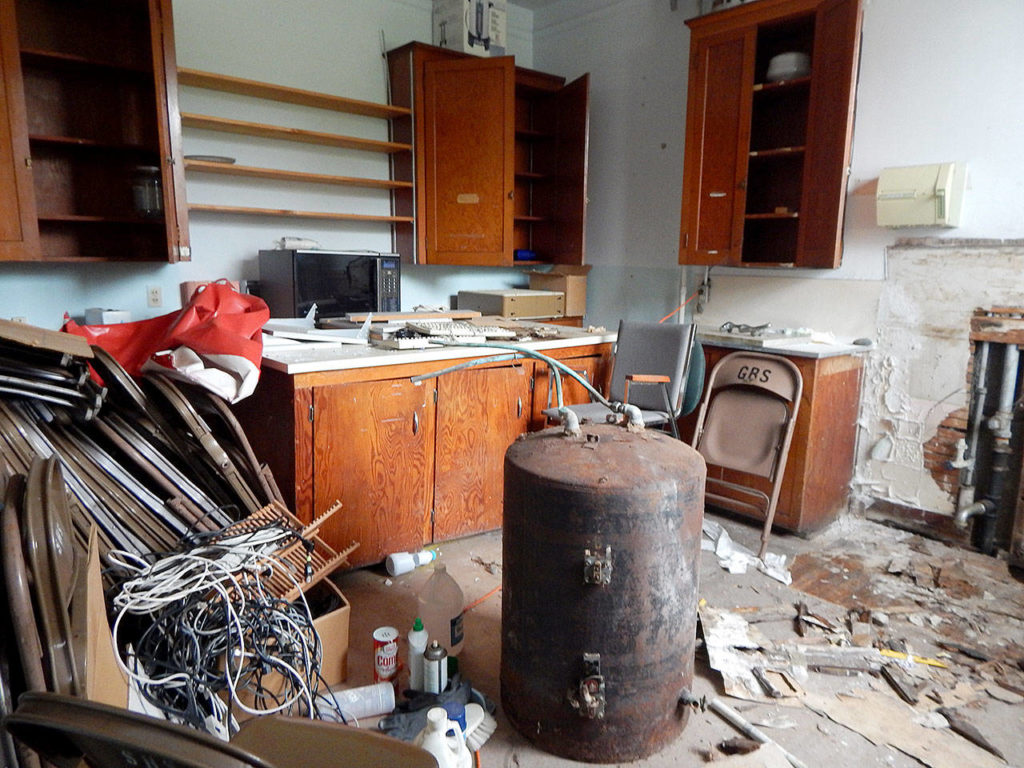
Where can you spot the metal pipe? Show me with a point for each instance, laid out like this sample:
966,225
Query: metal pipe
1001,424
978,392
972,510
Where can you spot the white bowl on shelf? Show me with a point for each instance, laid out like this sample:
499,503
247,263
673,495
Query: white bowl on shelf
788,66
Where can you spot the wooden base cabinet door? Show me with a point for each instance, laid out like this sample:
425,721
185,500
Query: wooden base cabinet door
480,411
373,449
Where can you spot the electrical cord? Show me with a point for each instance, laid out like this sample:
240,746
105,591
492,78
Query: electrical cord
201,625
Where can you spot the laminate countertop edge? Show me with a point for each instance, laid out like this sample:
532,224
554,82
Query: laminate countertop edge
314,357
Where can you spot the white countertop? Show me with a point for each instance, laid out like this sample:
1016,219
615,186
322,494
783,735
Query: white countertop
796,347
314,357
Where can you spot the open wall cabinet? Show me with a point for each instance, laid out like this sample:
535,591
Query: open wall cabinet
90,165
499,161
766,163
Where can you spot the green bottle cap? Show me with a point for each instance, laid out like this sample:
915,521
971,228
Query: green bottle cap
417,625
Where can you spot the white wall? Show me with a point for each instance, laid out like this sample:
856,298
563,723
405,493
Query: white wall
636,53
333,46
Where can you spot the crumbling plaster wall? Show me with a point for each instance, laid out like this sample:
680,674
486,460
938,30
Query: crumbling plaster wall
916,376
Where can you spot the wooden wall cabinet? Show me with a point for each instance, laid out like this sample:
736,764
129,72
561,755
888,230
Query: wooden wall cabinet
766,162
499,161
411,462
88,102
816,484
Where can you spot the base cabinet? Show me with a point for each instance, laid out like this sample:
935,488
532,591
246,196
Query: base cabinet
411,462
373,450
816,484
479,414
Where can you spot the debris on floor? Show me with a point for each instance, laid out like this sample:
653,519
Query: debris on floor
927,636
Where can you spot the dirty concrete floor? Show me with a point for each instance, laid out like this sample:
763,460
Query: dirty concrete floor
861,582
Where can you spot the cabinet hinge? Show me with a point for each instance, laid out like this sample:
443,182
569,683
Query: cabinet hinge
686,239
432,518
435,396
28,162
183,252
311,412
533,383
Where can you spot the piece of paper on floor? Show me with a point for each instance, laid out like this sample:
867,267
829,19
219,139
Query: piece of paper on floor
735,558
884,719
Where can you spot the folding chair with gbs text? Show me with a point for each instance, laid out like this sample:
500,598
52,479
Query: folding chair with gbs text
744,428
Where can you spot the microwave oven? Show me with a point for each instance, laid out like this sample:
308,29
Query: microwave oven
338,282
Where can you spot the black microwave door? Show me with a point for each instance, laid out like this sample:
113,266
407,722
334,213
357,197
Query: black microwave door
336,283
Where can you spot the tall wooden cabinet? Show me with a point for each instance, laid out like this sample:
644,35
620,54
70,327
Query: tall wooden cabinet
765,169
90,165
499,163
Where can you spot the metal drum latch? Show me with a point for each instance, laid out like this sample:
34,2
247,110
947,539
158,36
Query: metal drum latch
597,567
588,699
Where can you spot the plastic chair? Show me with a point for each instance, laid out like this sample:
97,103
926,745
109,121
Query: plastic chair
650,370
745,424
64,730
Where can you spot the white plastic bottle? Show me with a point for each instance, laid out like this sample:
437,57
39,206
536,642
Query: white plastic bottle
440,607
443,739
417,645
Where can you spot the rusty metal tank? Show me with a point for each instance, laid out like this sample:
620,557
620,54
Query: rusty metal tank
601,547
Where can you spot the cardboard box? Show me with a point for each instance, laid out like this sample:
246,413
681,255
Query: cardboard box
571,280
515,302
332,626
471,26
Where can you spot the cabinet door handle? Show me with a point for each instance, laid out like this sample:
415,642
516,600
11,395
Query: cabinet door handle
415,422
519,407
717,194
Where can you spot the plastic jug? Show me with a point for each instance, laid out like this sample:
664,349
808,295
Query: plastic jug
444,740
440,607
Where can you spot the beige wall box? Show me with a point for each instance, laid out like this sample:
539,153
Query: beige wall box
570,279
921,195
471,26
515,302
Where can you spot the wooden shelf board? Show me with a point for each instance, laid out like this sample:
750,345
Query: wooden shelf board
241,86
229,169
76,141
528,219
782,84
290,134
231,209
787,215
70,60
777,152
76,218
